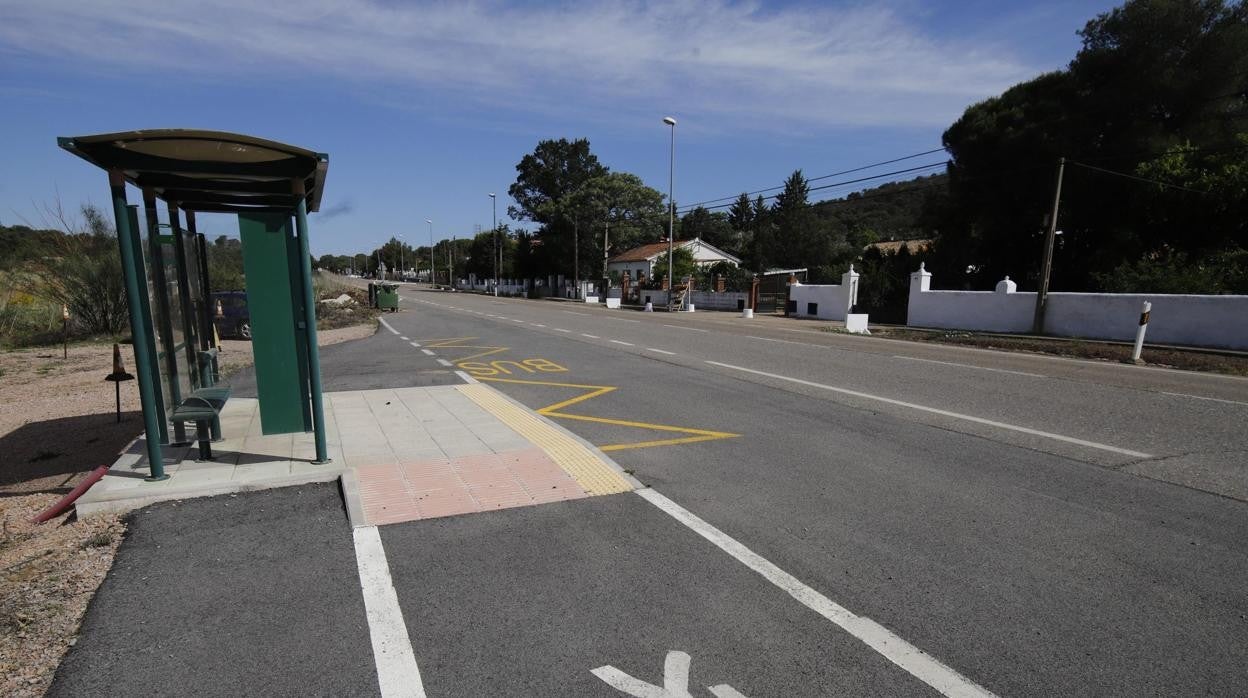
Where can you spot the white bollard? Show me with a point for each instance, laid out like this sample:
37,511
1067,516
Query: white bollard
747,313
1139,333
649,307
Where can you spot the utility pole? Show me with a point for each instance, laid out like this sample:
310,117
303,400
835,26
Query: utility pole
1046,265
576,255
450,263
606,234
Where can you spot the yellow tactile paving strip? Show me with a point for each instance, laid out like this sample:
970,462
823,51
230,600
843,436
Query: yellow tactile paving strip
591,472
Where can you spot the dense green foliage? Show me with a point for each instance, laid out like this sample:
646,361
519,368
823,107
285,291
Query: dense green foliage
1159,91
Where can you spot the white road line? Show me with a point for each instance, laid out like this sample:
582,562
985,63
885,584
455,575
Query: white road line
397,673
560,329
467,378
515,320
981,368
444,362
387,325
415,344
627,344
915,661
691,329
620,319
537,324
591,336
403,338
573,312
426,351
782,341
944,413
661,351
1211,399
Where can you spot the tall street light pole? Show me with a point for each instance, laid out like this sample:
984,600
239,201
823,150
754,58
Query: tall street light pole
431,266
671,203
402,266
498,257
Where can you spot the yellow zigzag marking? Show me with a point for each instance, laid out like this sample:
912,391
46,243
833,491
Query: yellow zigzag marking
594,391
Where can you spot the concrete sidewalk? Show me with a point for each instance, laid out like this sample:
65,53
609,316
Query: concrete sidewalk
401,454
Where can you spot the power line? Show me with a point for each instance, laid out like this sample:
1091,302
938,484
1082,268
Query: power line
846,182
815,179
1138,179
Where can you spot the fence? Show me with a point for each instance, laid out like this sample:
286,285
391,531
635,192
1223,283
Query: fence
1185,319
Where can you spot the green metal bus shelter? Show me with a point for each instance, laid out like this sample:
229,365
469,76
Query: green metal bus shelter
271,187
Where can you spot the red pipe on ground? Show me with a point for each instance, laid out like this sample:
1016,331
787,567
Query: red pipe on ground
57,509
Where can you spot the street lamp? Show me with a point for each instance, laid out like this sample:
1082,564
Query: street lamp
671,203
498,260
402,266
431,274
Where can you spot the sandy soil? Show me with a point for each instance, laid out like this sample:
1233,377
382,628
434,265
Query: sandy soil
58,422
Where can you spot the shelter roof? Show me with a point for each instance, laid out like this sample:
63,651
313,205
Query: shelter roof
209,170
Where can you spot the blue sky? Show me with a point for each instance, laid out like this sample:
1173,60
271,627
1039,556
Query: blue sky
425,108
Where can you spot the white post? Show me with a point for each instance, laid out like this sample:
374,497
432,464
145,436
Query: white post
1139,333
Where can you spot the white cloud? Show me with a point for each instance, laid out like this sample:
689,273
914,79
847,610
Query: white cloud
798,67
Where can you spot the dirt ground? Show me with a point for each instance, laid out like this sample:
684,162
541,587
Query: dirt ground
57,423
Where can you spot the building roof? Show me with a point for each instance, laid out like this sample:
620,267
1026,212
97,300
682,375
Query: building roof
209,170
650,252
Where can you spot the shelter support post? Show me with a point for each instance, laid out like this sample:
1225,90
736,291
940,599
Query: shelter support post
163,319
138,329
309,309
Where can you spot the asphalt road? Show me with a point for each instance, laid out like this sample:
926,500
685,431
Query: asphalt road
1041,526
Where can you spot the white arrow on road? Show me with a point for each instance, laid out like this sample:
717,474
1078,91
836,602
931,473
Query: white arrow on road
675,681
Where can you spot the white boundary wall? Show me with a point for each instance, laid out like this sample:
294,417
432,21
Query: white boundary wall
701,300
832,302
1192,320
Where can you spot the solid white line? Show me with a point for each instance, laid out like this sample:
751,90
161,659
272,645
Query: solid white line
591,336
427,352
573,312
627,344
981,368
661,351
467,378
403,338
387,325
444,362
397,673
1211,399
560,329
782,341
620,319
915,661
944,413
691,329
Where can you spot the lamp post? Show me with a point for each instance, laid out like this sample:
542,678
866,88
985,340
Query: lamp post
431,275
671,203
402,266
498,258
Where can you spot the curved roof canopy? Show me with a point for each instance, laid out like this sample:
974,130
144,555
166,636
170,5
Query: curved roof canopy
209,170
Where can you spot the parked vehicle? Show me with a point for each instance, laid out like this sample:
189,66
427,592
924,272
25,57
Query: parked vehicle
231,315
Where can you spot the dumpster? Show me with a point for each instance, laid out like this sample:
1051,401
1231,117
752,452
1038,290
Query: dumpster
388,296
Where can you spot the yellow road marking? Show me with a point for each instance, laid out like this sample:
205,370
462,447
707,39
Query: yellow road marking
594,391
441,342
593,474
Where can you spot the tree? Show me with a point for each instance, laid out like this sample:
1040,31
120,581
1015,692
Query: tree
713,227
545,177
617,204
685,265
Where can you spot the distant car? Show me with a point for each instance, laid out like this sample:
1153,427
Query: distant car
233,319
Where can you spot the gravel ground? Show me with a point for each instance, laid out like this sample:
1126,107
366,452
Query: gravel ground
57,422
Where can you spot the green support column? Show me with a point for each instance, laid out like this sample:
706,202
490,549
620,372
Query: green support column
190,330
138,330
140,273
163,320
309,309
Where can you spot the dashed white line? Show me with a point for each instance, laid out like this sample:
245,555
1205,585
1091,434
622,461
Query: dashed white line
573,312
444,362
515,320
627,344
427,352
691,329
387,325
397,672
560,329
981,368
591,336
661,351
620,319
537,324
403,338
415,344
782,341
1211,399
943,413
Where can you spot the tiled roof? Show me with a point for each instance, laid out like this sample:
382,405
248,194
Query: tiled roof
646,252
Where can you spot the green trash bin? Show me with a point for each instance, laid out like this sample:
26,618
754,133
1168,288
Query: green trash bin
388,296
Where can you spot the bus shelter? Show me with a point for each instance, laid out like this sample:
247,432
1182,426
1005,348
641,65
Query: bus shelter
270,187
